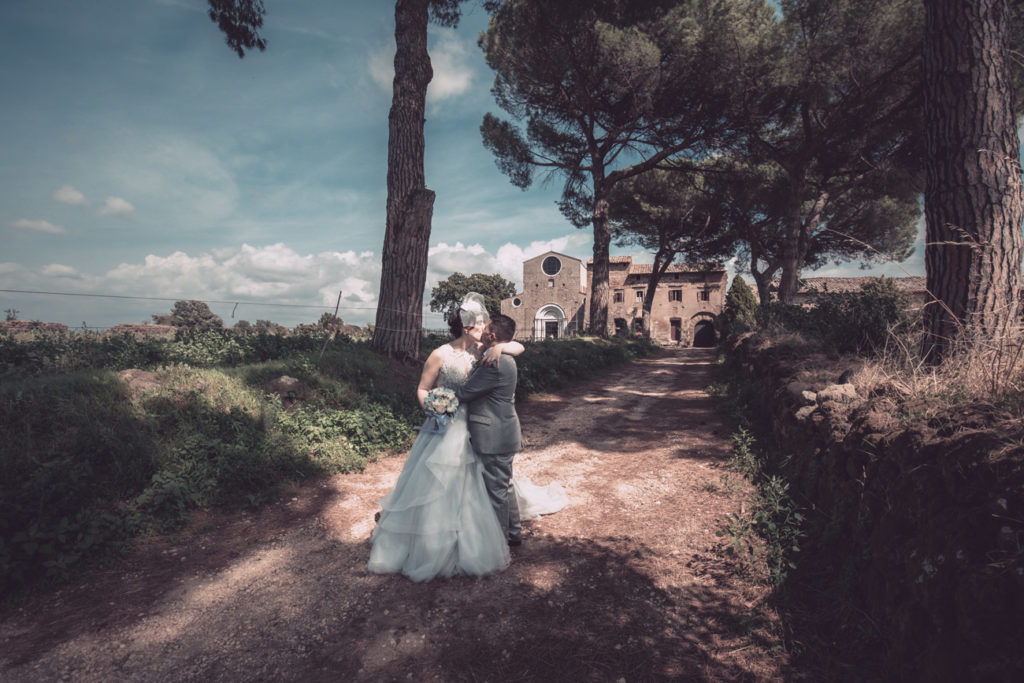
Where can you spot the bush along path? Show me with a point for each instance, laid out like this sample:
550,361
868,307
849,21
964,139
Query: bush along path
631,582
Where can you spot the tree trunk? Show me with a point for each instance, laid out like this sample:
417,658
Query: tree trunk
763,281
599,287
410,204
973,196
661,264
790,258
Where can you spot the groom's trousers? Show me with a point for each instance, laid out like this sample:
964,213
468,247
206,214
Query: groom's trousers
498,481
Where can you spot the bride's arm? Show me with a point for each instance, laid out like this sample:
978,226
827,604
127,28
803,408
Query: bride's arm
428,378
491,355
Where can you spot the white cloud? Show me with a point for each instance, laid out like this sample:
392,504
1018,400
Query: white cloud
452,72
67,194
445,259
382,65
59,270
270,274
37,226
449,59
274,274
117,207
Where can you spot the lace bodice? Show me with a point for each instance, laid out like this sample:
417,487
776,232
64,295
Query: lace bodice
455,367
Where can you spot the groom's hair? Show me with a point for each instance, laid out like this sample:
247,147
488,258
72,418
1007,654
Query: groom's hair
503,327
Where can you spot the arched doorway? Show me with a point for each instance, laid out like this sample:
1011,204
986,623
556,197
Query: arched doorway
549,322
704,334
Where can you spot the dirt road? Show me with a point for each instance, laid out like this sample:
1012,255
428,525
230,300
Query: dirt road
628,583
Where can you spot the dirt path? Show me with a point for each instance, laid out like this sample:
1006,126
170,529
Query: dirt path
626,584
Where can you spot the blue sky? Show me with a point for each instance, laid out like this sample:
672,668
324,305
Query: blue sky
141,157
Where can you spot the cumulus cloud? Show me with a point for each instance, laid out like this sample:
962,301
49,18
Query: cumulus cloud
382,66
37,226
445,259
59,270
261,277
452,72
274,274
118,208
67,194
449,58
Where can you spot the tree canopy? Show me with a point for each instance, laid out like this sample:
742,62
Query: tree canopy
603,90
191,315
672,215
448,293
836,136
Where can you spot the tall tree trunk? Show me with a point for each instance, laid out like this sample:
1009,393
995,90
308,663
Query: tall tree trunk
410,204
763,282
790,258
599,287
662,260
973,195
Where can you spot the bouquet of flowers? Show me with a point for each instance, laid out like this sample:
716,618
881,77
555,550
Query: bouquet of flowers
440,405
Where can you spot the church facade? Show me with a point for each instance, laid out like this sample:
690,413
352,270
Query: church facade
556,288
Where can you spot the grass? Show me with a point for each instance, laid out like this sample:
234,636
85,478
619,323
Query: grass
89,462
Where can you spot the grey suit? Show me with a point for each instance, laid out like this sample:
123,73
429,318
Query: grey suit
490,394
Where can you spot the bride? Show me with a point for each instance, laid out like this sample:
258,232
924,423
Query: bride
438,520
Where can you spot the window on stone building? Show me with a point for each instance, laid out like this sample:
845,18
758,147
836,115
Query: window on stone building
617,297
517,302
621,327
705,295
675,295
639,295
551,282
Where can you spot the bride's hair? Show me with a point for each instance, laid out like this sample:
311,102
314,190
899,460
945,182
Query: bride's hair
455,324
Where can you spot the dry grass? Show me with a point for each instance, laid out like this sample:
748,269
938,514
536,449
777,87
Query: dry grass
980,370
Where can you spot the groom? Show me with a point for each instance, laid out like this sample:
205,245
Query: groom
490,393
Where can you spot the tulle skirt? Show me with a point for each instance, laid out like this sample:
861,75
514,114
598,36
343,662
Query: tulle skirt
535,501
438,520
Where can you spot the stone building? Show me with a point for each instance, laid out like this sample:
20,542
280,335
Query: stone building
554,303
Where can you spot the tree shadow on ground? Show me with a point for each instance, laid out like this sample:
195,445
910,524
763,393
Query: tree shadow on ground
306,609
637,404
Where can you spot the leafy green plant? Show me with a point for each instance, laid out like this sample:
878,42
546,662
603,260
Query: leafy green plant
770,532
88,461
740,312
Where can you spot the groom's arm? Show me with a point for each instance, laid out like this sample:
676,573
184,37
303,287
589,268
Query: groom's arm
480,383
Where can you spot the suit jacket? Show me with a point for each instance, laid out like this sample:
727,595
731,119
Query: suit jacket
490,394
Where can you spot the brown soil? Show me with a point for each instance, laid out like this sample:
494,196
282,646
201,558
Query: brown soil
628,583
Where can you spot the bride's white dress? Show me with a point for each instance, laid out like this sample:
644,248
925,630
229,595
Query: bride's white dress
438,521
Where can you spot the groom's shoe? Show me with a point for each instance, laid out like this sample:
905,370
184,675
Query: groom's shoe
517,540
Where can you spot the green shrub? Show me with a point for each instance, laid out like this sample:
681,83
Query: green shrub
844,322
740,312
862,321
86,465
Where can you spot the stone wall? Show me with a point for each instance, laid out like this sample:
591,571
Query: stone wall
922,506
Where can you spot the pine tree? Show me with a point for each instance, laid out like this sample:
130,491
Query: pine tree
740,310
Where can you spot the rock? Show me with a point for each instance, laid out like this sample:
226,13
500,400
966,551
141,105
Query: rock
842,393
846,377
805,412
801,393
287,388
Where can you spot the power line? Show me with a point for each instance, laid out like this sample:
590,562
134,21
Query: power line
236,304
164,298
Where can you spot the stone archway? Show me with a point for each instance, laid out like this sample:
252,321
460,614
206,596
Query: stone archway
704,333
549,322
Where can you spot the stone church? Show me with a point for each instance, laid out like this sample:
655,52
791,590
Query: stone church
554,303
